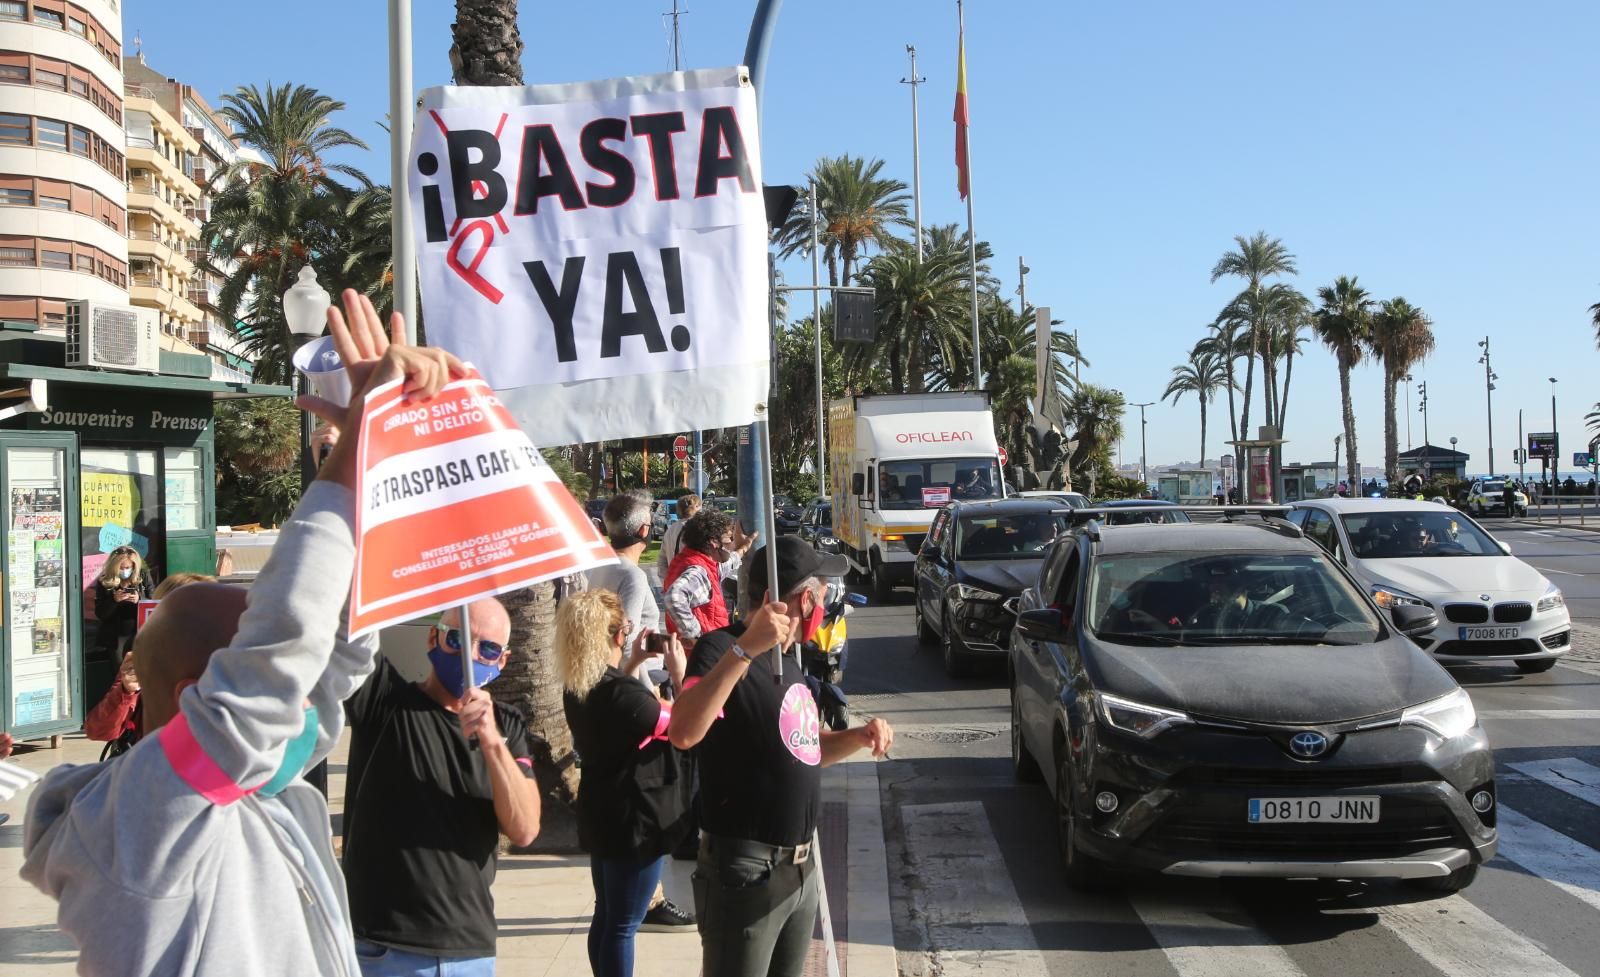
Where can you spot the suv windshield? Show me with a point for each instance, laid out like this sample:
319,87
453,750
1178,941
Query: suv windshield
1013,536
1174,599
932,483
1493,488
1405,534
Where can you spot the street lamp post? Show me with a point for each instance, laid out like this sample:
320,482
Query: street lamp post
1144,471
305,309
1407,379
1489,377
1422,405
1555,435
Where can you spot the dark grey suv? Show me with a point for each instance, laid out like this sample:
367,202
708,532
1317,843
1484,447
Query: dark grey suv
1222,699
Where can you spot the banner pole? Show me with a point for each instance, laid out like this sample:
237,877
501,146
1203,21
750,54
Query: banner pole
469,651
764,435
400,113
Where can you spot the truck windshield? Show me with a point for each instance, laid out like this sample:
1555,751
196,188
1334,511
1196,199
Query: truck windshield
932,483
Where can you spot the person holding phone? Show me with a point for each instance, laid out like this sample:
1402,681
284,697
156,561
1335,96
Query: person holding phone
122,583
627,526
634,806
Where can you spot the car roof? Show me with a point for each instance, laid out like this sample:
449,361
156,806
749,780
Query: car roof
1343,506
1004,506
1243,536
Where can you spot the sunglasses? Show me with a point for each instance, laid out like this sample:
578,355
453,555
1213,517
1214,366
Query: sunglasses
488,651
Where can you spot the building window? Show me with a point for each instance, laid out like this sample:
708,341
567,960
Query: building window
16,197
54,203
80,87
77,27
15,130
86,263
80,140
13,10
50,79
17,257
60,260
54,320
44,15
52,134
14,73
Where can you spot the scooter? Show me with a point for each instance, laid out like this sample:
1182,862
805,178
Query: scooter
825,656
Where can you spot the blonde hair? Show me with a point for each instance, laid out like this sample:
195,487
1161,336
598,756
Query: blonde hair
108,570
177,580
587,625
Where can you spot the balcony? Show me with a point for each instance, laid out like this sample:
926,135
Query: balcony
152,198
141,153
148,244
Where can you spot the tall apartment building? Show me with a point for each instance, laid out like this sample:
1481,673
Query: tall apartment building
63,196
177,145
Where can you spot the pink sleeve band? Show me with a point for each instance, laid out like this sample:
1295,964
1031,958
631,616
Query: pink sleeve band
662,722
197,769
527,763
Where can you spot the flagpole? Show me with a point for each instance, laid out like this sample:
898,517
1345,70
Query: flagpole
400,113
916,149
972,236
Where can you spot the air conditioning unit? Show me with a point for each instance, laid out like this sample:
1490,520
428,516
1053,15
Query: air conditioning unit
111,337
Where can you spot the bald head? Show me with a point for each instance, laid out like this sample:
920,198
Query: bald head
173,647
490,622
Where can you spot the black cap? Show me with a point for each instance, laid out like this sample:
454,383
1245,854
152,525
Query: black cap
796,562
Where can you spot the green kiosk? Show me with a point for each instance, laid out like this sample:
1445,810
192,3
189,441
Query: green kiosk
92,459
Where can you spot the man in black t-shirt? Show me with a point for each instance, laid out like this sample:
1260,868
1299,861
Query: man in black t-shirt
437,773
755,886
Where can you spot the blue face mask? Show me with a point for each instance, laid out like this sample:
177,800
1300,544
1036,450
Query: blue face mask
296,754
448,667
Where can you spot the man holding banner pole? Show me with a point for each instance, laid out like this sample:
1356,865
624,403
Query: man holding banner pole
756,891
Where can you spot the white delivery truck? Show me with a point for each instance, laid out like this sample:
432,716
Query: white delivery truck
895,460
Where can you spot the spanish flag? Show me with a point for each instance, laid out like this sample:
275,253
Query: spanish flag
963,167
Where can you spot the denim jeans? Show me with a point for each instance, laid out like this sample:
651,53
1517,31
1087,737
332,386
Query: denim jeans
378,960
622,892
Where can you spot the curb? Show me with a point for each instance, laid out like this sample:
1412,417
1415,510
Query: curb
871,929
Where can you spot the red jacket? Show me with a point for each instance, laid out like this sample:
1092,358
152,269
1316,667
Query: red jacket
114,715
712,615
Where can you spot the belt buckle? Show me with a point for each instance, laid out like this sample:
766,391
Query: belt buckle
802,853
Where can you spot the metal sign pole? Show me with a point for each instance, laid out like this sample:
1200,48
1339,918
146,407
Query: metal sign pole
764,435
469,651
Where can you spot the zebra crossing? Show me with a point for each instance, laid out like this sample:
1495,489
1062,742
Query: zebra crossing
966,915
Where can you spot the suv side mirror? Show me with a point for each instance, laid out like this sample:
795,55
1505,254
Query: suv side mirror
1413,619
858,484
1042,624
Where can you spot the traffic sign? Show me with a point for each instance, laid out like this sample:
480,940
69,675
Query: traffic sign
1004,457
1582,459
1543,444
680,447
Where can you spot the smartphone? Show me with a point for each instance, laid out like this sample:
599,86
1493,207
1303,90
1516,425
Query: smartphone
657,644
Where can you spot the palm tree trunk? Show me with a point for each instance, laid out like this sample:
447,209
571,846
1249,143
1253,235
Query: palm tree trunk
1352,464
1391,446
486,49
1288,375
1202,429
896,371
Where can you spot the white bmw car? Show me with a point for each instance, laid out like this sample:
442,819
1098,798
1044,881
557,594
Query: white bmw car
1491,605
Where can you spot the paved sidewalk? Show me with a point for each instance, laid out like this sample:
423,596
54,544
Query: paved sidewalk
544,901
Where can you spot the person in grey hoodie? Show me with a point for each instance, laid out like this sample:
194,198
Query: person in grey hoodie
199,851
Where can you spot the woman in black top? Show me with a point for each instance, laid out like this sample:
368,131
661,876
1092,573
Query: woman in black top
633,800
122,583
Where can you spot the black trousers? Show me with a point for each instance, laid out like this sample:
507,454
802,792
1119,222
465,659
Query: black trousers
756,908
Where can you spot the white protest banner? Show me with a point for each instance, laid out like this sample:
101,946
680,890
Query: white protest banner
454,503
599,249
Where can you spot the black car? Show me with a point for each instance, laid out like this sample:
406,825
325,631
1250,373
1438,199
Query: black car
1222,699
1139,511
976,558
816,526
787,514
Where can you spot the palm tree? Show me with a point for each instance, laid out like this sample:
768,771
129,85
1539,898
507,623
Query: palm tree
1344,324
1202,375
1094,416
1288,339
1402,337
858,209
922,314
275,214
486,49
1229,343
1255,259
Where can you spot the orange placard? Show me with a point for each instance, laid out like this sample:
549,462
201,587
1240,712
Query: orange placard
455,503
146,608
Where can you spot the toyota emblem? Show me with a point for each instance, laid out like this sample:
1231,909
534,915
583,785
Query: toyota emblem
1308,744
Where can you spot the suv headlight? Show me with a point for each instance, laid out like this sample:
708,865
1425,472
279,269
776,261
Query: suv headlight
1387,597
1145,722
1552,599
969,592
1449,715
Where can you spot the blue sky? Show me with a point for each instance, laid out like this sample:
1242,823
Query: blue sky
1443,151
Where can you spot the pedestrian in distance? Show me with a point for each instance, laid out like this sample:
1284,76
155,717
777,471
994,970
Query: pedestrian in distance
672,539
633,801
123,582
760,770
438,771
627,526
199,853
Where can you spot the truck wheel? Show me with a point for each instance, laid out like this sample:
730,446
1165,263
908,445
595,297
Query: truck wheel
882,587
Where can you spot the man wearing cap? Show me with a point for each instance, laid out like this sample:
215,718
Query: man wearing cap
761,746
